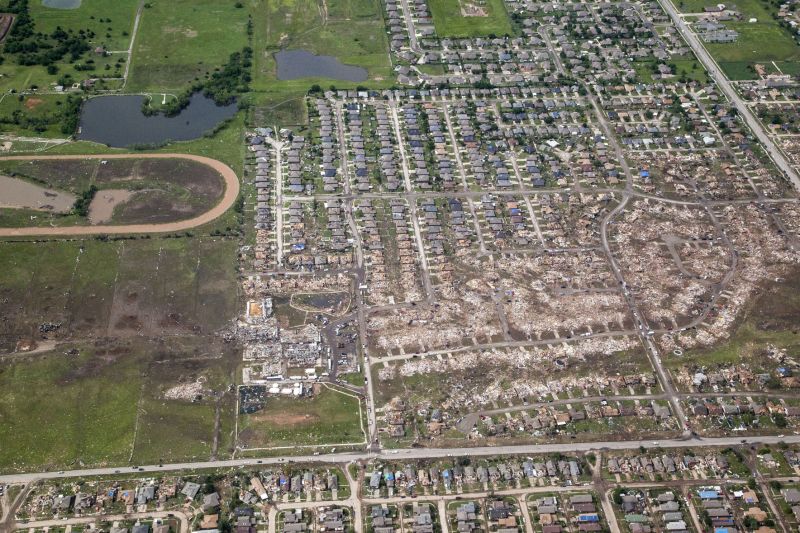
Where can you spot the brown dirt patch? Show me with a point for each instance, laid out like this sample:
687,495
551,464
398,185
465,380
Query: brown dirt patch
33,103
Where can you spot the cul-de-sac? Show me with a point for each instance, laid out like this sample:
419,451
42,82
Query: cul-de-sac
399,266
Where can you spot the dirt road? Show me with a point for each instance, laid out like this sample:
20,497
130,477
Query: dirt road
227,200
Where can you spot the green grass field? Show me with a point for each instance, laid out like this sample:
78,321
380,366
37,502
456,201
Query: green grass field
330,417
690,68
761,42
181,40
759,9
92,15
113,35
57,410
35,107
449,21
769,320
353,32
60,411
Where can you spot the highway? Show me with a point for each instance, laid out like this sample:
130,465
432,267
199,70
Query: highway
409,454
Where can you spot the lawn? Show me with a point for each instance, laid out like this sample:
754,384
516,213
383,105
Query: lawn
181,40
449,21
691,68
330,417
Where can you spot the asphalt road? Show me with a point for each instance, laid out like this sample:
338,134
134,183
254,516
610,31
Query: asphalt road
409,454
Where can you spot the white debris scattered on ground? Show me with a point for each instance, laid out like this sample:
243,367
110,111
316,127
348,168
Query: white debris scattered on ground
185,391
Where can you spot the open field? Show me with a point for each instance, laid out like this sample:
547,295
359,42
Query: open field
330,417
757,43
132,319
449,21
37,115
59,410
111,22
148,287
353,31
181,41
231,192
748,8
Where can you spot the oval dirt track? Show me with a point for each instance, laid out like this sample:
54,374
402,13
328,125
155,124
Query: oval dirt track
228,198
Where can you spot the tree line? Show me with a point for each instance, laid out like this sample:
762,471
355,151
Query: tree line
223,85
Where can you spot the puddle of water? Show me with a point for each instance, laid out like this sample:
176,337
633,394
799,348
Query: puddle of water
102,207
19,193
297,64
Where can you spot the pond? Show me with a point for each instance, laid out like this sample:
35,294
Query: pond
18,193
62,4
296,64
118,121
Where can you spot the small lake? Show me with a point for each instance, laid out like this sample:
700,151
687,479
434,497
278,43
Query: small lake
297,64
118,120
62,4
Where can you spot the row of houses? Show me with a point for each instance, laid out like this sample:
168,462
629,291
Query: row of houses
408,477
642,516
329,144
262,250
323,246
669,464
580,511
271,486
384,153
426,139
